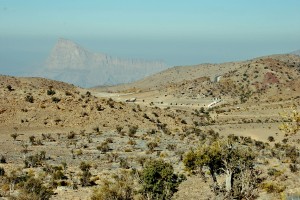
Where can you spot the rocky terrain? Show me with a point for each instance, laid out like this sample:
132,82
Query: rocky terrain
72,63
59,141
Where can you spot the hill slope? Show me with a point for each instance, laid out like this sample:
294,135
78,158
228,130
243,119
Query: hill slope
180,74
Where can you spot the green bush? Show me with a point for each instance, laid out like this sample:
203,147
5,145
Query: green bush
159,180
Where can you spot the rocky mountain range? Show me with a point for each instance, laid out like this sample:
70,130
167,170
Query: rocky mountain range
69,62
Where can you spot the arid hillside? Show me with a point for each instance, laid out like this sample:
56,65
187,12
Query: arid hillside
181,74
179,134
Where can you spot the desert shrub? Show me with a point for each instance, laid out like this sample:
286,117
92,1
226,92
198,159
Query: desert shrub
151,132
293,153
119,129
119,187
32,140
272,187
99,108
58,175
29,98
35,160
213,134
124,163
14,135
171,147
259,144
55,99
294,168
2,171
103,147
96,129
2,159
111,103
291,123
132,131
146,116
271,139
88,93
35,189
131,142
112,157
152,145
166,130
68,93
109,140
285,140
274,172
51,92
85,179
9,87
159,180
141,160
71,135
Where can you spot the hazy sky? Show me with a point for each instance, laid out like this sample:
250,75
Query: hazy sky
178,32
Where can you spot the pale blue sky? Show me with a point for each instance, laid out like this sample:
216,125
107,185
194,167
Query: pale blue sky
179,32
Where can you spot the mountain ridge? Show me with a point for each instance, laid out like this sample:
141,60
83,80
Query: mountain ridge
70,62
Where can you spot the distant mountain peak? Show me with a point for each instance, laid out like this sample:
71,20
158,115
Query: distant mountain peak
67,54
70,62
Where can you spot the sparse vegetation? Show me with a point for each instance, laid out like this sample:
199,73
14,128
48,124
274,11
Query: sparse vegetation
46,141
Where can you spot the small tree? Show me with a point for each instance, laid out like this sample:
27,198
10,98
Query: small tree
232,159
159,180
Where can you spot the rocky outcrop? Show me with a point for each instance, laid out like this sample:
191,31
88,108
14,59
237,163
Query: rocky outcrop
71,63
